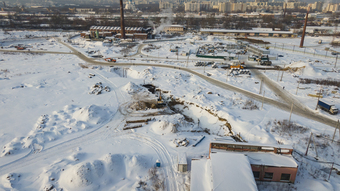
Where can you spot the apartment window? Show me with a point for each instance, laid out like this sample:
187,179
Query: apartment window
256,174
285,177
268,175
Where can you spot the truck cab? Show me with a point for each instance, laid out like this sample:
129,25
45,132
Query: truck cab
333,110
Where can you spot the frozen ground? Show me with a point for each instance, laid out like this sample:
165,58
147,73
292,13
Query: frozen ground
55,135
311,44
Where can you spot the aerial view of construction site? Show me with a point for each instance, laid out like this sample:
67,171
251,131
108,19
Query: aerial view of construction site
169,96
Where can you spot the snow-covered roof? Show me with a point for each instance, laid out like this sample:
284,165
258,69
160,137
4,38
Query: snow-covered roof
235,174
182,158
200,175
245,31
223,170
271,159
174,26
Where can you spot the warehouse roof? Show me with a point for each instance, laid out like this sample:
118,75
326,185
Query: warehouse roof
223,170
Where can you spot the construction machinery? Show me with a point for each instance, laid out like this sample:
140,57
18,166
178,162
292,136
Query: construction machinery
160,101
110,59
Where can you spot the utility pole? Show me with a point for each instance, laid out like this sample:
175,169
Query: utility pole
278,75
262,99
261,86
330,172
284,65
318,98
336,60
297,88
316,151
188,59
282,75
290,115
308,143
335,131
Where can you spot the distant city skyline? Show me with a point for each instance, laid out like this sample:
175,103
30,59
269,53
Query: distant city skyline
116,1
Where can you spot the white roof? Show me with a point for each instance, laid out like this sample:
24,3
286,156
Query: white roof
223,171
232,171
271,159
245,31
200,175
182,158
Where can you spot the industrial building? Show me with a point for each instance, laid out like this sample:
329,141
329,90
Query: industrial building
268,162
237,165
248,33
110,31
222,171
174,29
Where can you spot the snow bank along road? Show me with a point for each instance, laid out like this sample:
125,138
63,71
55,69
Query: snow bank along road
299,109
37,52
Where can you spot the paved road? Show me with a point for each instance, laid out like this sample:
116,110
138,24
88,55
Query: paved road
299,109
36,51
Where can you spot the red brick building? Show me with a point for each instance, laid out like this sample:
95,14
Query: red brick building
268,162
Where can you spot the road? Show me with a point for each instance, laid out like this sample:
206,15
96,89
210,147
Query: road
298,109
36,51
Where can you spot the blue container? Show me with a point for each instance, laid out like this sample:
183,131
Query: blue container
158,163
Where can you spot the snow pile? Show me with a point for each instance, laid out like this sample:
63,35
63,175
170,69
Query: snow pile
132,88
307,68
168,124
105,173
92,115
48,128
197,38
11,180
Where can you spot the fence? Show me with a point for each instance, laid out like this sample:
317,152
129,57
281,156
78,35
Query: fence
306,50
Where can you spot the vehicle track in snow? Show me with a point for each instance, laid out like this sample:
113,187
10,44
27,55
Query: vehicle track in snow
165,158
61,148
68,144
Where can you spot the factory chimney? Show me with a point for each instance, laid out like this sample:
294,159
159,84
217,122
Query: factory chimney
304,29
122,27
285,11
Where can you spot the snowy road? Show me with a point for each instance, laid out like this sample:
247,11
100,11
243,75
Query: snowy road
302,111
37,52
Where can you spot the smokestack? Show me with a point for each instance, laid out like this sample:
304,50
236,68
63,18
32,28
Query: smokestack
304,30
284,13
122,27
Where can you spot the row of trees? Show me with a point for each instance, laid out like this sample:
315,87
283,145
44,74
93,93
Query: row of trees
65,21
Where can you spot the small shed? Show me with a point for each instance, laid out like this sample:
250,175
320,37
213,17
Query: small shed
182,162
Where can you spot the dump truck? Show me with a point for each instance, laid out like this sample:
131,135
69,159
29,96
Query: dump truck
110,59
327,107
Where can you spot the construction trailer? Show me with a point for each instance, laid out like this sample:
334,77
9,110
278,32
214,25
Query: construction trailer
182,162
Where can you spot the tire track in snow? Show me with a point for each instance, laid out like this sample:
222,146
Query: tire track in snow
165,158
77,140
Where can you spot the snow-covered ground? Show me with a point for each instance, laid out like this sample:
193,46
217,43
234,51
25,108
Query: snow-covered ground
55,135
